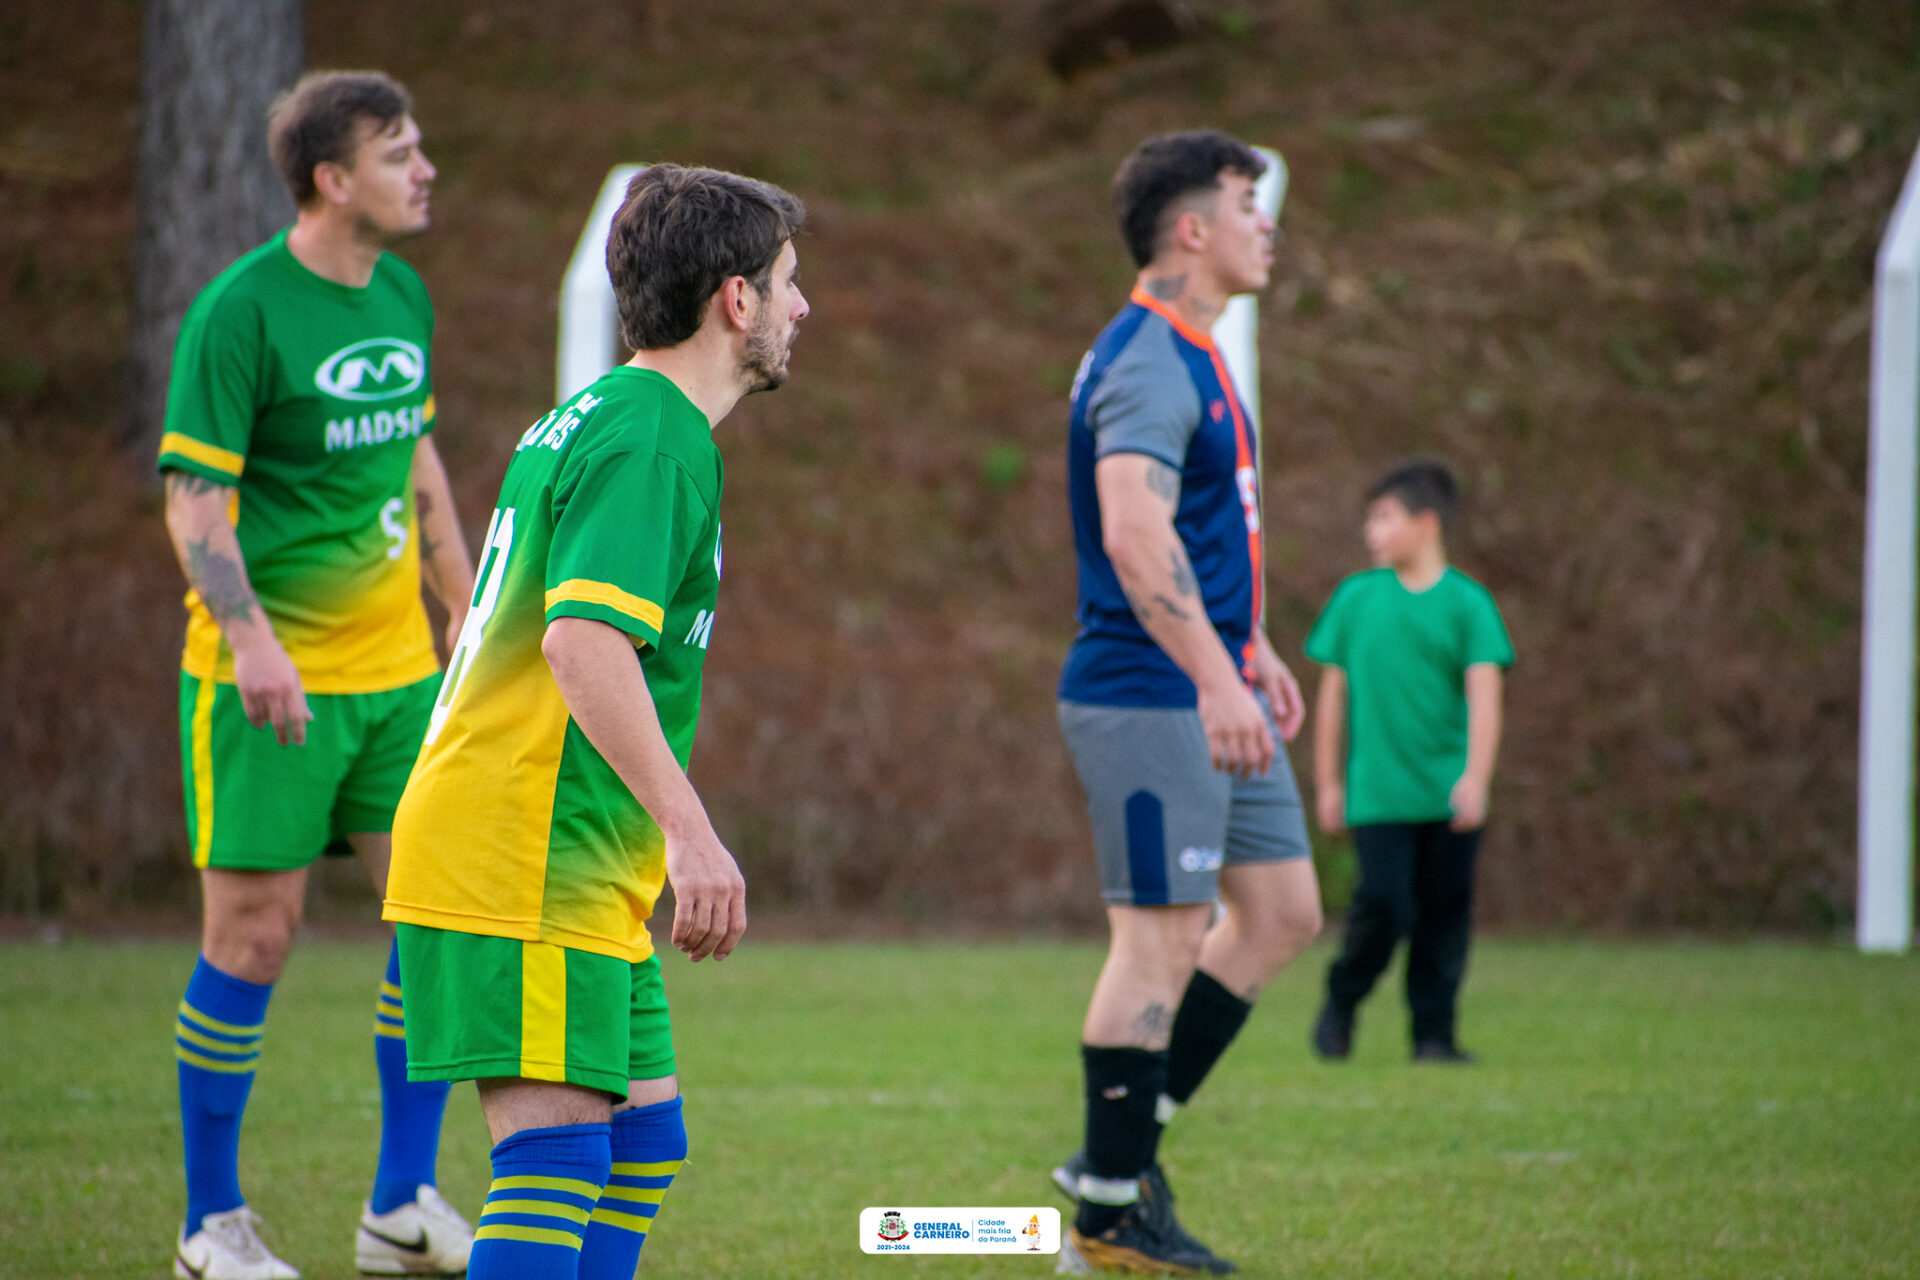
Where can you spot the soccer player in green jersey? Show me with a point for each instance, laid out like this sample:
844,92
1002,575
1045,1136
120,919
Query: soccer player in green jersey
550,801
1407,726
306,503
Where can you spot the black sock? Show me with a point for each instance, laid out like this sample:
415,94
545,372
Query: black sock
1210,1016
1123,1087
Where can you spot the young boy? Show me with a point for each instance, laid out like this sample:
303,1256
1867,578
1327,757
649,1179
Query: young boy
1418,650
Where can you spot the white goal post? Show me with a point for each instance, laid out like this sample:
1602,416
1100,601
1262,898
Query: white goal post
589,322
1884,915
1238,327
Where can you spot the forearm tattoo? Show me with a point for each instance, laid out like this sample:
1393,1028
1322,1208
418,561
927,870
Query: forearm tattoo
1183,580
219,577
422,507
1172,610
221,582
191,486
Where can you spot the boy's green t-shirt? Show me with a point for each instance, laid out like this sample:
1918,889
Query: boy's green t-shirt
1406,656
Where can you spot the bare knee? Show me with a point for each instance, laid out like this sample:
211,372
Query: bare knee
250,938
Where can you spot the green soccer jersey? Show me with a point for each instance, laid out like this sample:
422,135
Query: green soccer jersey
1406,656
307,396
513,825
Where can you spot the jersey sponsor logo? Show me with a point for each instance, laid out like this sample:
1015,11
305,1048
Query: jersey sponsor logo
373,369
375,428
1219,409
702,630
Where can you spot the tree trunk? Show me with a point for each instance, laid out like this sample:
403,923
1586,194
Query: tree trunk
208,189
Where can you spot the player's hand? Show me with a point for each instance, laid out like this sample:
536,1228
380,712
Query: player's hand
1330,805
270,691
1282,690
1238,736
1469,804
709,896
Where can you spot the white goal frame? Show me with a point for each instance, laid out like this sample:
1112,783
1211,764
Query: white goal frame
1237,330
1884,914
589,322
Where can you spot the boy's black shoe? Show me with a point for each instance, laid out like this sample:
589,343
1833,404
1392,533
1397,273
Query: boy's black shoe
1132,1246
1442,1051
1333,1033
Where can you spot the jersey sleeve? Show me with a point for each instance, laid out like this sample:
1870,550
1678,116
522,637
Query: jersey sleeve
625,524
214,391
1327,642
1146,401
1487,638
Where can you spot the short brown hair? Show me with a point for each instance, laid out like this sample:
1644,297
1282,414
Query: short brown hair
680,235
1166,167
317,122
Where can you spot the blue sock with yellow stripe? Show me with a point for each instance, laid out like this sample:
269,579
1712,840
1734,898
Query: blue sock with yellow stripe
216,1037
649,1146
410,1112
545,1183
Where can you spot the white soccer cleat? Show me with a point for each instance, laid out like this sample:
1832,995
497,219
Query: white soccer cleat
227,1247
426,1237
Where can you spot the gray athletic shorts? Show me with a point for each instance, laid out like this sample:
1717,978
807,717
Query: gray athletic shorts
1164,819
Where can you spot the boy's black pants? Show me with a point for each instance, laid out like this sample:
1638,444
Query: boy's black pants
1416,882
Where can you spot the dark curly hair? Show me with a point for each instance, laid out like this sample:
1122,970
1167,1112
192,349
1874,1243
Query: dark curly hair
683,233
1166,167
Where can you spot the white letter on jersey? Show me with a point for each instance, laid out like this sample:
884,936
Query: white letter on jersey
493,572
702,629
390,523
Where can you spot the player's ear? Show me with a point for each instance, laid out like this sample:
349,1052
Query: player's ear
736,312
331,182
1190,230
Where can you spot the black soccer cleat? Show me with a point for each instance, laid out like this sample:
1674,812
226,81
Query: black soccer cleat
1066,1175
1333,1033
1132,1246
1445,1051
1157,1198
1156,1201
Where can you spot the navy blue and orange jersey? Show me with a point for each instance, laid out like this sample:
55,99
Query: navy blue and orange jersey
1153,384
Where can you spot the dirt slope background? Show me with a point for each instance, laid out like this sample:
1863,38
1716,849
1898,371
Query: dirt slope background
1614,259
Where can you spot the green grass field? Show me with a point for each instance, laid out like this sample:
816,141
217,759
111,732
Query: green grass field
1664,1110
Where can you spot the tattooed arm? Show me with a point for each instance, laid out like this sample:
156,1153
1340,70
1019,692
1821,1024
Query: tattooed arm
1138,497
445,565
209,554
